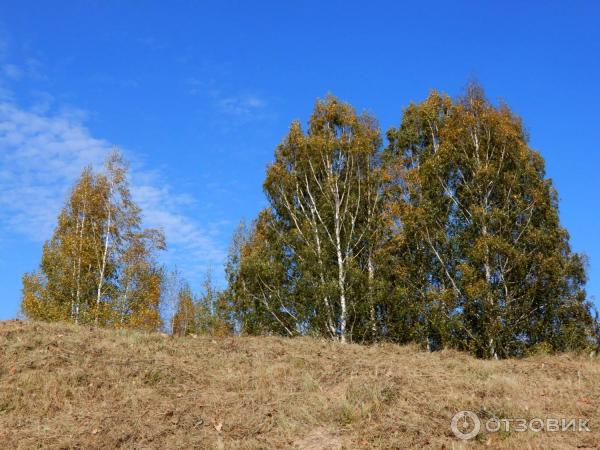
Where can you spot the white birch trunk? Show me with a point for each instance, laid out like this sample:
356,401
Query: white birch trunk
104,256
341,275
371,280
78,279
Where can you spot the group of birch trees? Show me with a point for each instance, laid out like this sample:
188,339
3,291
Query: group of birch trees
205,313
449,236
99,267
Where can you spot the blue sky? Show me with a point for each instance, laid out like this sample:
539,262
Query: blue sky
198,94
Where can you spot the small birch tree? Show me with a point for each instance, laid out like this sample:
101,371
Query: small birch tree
98,267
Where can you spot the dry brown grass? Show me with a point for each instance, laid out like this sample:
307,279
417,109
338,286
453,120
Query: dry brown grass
63,386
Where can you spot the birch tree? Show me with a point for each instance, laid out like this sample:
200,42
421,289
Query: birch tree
141,281
98,267
324,195
496,274
212,310
65,283
184,320
263,283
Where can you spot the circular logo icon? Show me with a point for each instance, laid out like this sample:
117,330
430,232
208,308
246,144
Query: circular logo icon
465,425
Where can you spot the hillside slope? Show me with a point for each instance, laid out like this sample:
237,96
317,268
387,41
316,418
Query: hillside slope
63,386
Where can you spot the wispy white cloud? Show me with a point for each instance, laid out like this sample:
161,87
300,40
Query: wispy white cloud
121,83
3,45
193,247
41,156
238,105
30,68
12,71
242,105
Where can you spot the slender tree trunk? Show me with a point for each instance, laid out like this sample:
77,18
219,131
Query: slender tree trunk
78,281
371,281
124,304
104,258
341,276
73,292
488,279
329,320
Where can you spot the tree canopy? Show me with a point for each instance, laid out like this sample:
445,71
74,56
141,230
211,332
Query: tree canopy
446,235
99,266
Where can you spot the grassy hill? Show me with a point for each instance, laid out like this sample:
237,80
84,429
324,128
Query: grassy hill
63,386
